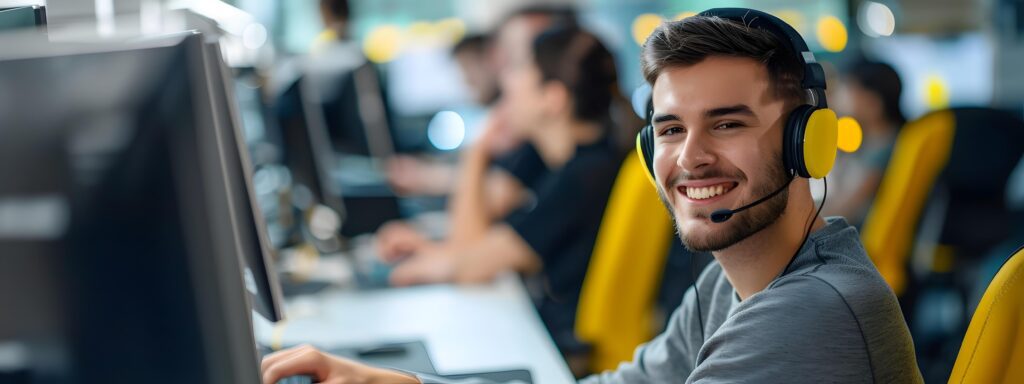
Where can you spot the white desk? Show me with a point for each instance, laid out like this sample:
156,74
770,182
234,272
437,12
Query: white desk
466,328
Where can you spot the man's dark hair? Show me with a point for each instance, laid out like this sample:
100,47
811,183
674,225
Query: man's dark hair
338,8
691,40
883,81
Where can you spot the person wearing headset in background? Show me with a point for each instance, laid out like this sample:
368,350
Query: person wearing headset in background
739,124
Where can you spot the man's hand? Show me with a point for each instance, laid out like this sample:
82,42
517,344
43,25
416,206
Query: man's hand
396,240
324,368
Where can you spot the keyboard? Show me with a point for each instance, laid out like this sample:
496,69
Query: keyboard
411,357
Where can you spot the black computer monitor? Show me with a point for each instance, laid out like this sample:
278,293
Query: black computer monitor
307,151
114,220
251,230
311,160
22,17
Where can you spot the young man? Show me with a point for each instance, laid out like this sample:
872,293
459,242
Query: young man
773,307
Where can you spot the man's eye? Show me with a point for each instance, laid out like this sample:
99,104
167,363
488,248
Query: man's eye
671,131
728,125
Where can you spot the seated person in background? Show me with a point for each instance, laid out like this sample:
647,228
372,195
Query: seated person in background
559,98
790,297
410,175
335,16
873,99
515,164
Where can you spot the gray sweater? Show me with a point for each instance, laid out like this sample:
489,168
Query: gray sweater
829,318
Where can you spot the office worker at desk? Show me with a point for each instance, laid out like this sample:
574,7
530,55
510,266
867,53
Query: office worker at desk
515,164
559,97
739,124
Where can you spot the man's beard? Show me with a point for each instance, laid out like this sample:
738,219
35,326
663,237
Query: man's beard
742,225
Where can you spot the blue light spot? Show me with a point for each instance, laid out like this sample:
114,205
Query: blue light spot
446,130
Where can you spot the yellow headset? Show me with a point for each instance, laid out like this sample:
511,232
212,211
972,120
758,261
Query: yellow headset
810,136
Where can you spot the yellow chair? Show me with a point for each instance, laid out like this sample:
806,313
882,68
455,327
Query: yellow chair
993,348
617,301
921,152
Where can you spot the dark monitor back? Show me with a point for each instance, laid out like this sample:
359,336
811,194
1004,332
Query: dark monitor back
306,148
251,232
113,221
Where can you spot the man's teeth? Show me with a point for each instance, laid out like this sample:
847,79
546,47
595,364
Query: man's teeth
705,192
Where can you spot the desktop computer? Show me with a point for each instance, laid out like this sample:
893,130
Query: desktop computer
132,246
259,275
363,199
255,249
115,220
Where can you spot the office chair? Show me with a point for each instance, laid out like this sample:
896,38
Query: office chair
940,208
617,302
921,152
993,348
944,187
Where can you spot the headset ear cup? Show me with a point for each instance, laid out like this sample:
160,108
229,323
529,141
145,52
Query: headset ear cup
793,140
820,142
645,150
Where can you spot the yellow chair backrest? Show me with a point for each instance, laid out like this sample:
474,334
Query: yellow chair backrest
993,348
617,301
921,152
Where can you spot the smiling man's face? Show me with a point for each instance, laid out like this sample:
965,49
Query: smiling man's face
718,144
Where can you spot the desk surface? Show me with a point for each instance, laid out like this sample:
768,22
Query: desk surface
465,328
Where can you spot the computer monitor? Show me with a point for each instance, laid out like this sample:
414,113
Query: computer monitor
307,151
114,220
22,17
314,168
251,231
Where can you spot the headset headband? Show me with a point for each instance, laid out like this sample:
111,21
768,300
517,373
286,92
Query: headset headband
814,74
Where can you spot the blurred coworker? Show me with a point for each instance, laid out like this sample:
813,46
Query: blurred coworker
473,53
515,164
776,306
559,98
410,175
873,97
335,15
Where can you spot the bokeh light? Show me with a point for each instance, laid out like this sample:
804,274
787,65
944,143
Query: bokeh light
876,19
850,134
643,25
831,34
383,43
936,92
446,131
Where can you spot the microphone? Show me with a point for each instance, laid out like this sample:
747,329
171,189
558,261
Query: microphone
721,215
